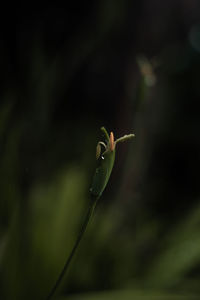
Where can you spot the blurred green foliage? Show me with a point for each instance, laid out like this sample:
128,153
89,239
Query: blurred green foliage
66,72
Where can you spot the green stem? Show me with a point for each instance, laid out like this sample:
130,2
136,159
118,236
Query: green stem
81,233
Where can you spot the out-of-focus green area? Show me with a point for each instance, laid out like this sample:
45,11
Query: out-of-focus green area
132,66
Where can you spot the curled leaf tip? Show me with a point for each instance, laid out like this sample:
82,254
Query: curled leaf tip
125,138
105,133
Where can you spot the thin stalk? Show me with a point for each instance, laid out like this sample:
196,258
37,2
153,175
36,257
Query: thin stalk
77,242
100,180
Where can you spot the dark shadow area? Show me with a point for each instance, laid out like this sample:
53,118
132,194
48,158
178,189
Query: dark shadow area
131,66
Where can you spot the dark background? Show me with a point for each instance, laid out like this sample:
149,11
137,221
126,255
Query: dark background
132,66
